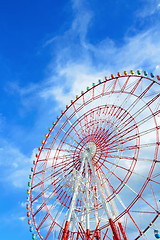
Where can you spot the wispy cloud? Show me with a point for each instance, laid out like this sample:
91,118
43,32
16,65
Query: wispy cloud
22,218
77,61
16,166
149,9
140,51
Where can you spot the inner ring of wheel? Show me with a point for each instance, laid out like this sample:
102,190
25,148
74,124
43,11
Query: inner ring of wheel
97,138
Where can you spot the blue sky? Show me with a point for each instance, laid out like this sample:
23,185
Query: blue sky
49,52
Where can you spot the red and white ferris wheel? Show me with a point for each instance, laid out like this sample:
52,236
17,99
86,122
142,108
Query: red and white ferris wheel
97,173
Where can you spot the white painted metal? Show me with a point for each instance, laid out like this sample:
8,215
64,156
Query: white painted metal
87,194
77,183
112,203
100,190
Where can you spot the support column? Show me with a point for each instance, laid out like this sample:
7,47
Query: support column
105,205
72,206
87,198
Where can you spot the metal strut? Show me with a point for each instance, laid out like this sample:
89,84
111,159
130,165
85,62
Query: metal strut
105,204
77,183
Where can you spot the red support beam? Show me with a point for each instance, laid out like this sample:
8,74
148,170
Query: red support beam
64,237
122,231
114,230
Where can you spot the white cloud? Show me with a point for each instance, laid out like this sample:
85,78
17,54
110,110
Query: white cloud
23,204
82,20
16,166
149,9
73,76
77,62
22,218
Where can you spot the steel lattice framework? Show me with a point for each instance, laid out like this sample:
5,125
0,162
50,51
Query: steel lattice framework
97,173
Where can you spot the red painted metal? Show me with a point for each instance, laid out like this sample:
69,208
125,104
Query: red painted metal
122,231
88,234
64,236
114,230
78,235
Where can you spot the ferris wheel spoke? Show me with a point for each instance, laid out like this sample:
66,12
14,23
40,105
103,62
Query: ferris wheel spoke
71,145
92,117
53,175
154,181
135,83
119,157
105,235
65,150
140,196
69,131
137,123
55,203
86,124
83,131
120,132
136,101
50,197
137,195
129,120
68,159
139,97
127,170
128,148
73,127
118,98
46,216
54,221
143,212
40,194
141,233
134,136
51,158
156,175
42,171
129,158
117,166
154,197
135,224
119,110
79,122
47,188
59,173
46,169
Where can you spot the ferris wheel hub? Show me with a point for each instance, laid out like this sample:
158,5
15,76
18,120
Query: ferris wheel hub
88,151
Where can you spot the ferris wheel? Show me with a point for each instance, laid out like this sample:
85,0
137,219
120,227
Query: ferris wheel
97,173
